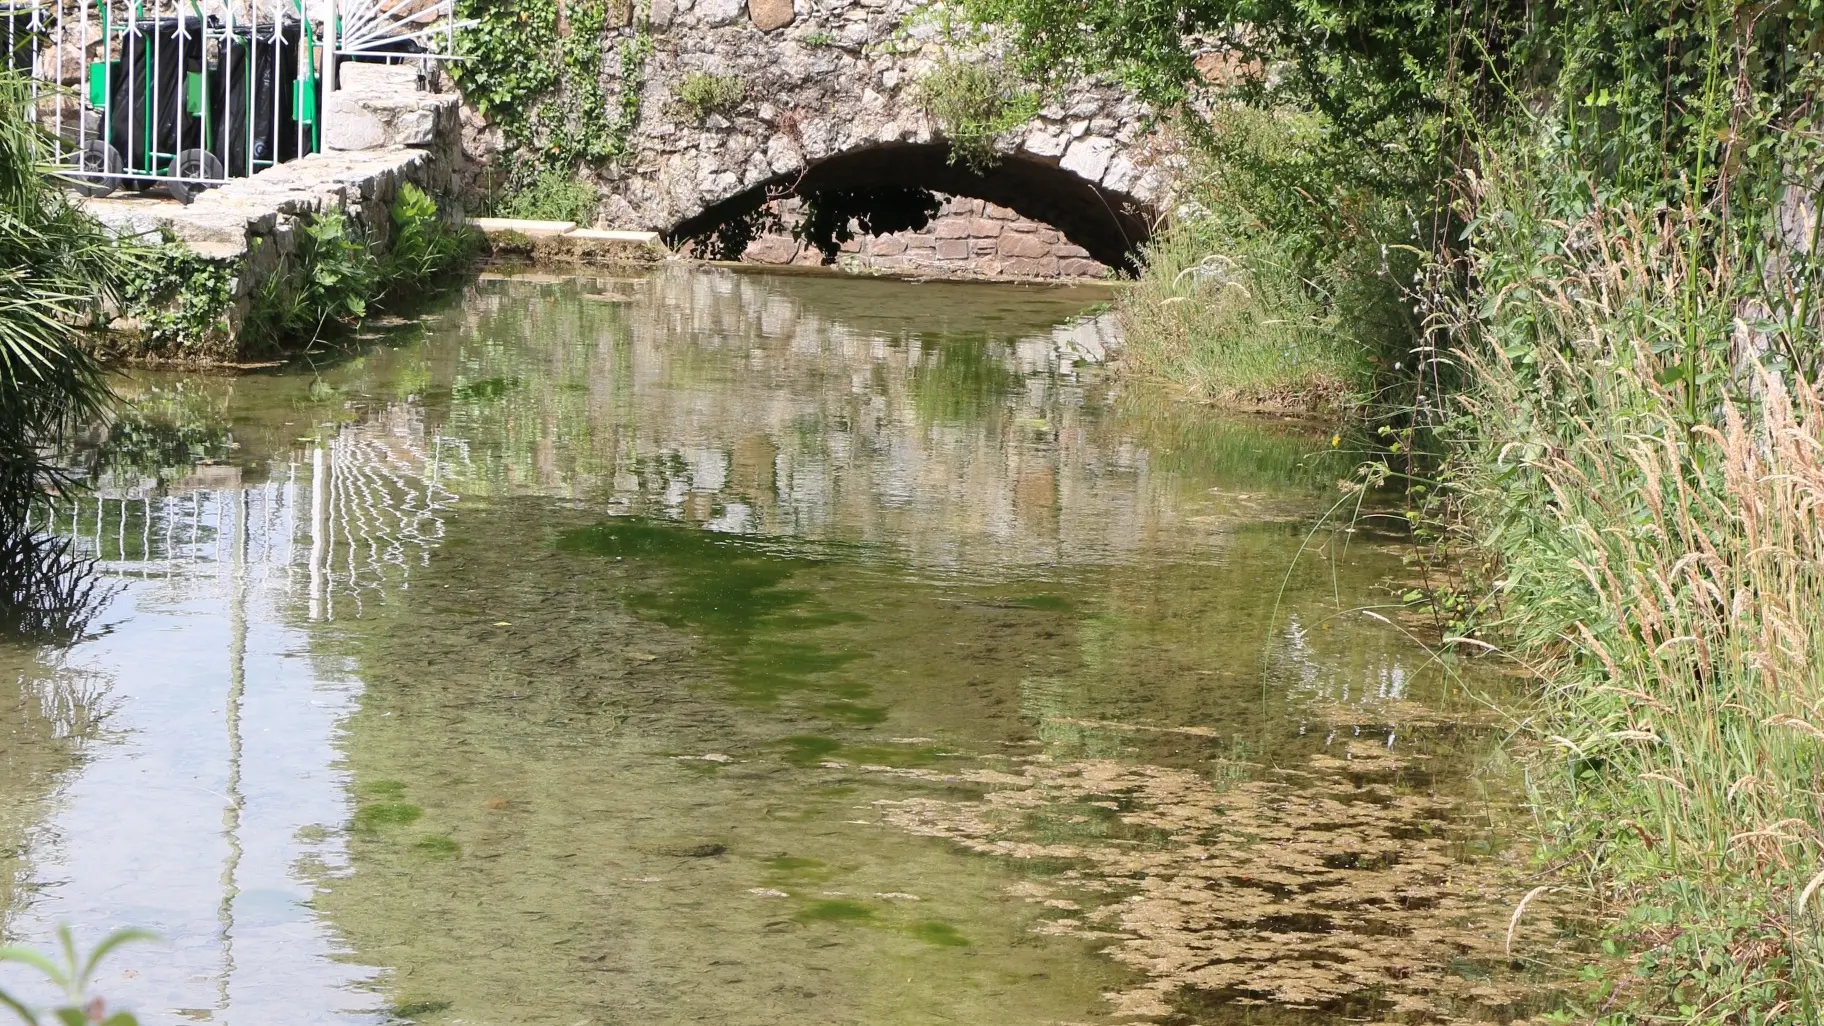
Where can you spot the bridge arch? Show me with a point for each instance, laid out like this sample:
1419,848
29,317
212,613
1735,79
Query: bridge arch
1110,223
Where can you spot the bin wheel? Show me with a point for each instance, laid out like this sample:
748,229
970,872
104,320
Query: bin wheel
97,157
193,164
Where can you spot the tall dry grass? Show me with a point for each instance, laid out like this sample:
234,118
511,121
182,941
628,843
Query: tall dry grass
1661,537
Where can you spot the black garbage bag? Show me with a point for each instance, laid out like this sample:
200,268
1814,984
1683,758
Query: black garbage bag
254,102
151,114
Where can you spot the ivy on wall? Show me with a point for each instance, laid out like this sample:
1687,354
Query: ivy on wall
538,71
180,303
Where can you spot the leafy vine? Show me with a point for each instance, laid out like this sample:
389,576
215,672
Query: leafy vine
537,70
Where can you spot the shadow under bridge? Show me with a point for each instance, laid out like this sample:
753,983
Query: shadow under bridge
1110,225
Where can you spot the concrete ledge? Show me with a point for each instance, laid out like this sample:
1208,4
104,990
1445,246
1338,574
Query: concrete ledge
492,226
563,241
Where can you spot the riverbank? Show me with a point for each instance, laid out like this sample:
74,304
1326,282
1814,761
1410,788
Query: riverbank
1645,543
1594,247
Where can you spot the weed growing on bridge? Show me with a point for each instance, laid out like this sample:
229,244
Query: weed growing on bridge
975,103
703,93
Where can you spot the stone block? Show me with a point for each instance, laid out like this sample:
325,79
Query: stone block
953,228
598,246
1088,157
768,15
953,249
1020,267
984,228
887,245
1070,251
1078,267
1045,143
1121,175
1025,246
352,127
1049,236
773,249
414,127
999,213
984,247
721,12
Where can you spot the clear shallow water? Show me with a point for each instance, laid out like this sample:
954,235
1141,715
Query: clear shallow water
735,649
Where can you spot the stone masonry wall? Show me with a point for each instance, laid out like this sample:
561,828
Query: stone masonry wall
823,79
969,238
384,133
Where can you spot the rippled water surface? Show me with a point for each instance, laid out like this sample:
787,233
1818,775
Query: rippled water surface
738,649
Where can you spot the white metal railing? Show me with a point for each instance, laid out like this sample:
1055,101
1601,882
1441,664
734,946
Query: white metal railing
181,95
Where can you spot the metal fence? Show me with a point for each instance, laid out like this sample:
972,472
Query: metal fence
180,95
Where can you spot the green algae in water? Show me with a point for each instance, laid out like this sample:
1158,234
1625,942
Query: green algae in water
392,789
370,818
835,910
418,1009
809,749
850,712
939,934
896,757
437,846
794,864
716,583
814,750
1046,603
731,591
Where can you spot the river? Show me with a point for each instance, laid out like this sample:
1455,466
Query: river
741,649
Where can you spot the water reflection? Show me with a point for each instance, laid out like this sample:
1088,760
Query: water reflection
657,649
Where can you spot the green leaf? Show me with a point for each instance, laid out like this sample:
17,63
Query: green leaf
107,945
26,956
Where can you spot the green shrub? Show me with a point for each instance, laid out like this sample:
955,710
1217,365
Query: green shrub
1228,320
702,93
973,103
337,275
425,244
549,195
1256,294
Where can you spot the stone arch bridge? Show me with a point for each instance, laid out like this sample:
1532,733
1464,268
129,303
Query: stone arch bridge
832,101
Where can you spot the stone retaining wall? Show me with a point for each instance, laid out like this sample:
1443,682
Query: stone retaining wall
969,238
383,132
